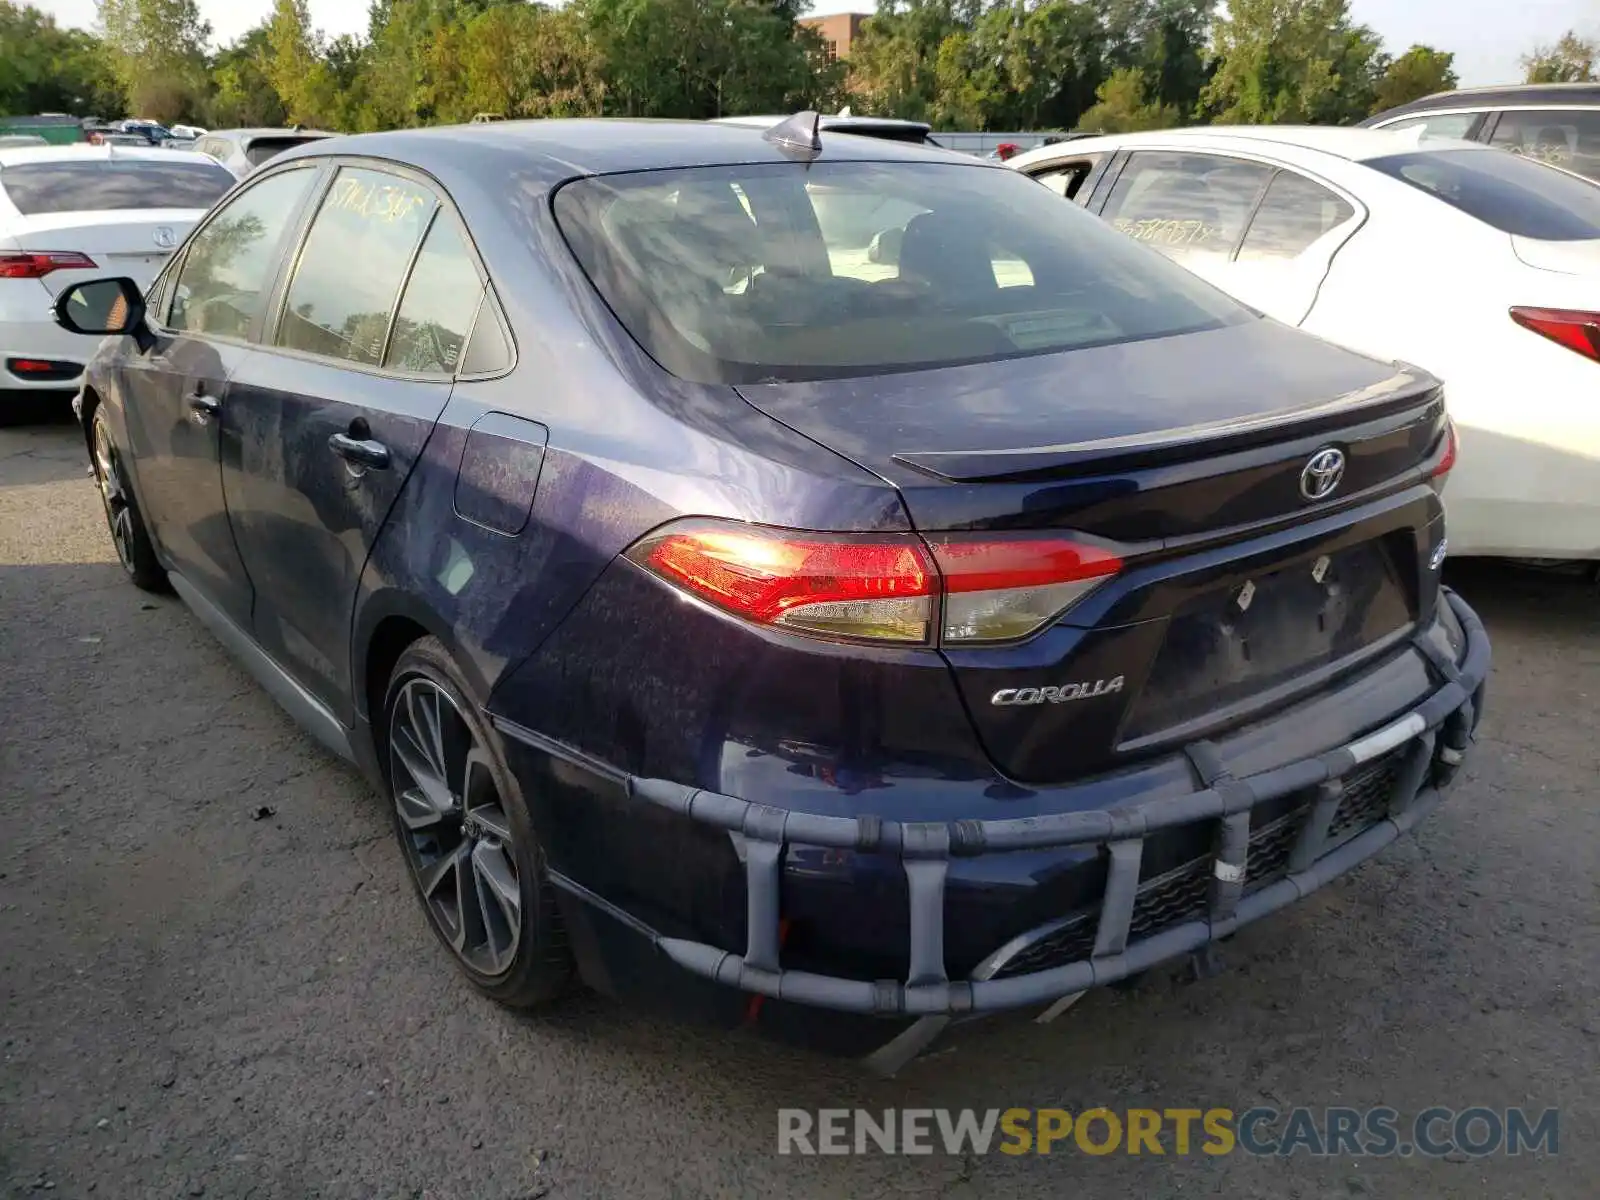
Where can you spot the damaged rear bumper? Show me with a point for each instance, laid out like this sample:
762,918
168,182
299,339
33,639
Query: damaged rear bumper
1354,800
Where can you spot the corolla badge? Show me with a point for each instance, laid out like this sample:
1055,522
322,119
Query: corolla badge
1007,697
1322,474
165,236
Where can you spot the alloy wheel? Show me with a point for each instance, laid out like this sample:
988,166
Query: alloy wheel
457,837
113,495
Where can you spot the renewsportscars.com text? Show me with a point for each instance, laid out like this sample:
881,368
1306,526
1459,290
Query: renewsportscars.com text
1323,1132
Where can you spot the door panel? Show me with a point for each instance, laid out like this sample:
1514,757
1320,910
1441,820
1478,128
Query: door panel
325,423
304,516
172,398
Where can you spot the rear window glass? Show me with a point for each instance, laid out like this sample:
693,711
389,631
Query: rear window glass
262,149
100,186
783,271
1515,195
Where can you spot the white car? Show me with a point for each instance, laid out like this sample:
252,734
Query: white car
76,212
1477,265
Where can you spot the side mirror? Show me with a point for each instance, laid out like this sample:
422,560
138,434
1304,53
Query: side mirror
103,306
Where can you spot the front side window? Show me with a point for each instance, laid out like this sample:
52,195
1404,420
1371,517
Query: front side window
1567,139
354,260
1187,206
441,299
786,271
1515,195
228,270
1294,213
106,185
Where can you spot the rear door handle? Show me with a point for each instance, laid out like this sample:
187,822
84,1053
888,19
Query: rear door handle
363,451
203,407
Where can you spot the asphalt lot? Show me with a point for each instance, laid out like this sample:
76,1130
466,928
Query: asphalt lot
195,1002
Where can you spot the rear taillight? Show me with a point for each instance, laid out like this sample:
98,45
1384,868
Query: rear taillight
36,264
998,590
875,589
879,588
1575,330
1447,458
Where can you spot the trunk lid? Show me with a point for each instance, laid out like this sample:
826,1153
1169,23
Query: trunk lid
131,242
1563,258
1185,456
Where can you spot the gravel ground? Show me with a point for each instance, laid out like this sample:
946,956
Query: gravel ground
196,1002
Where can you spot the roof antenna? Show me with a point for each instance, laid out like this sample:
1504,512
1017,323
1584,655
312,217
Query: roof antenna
797,136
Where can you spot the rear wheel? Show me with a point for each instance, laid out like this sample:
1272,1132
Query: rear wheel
468,837
128,533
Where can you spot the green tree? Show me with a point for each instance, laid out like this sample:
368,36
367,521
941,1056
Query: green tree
1420,71
524,60
243,94
294,64
44,68
1166,40
1124,106
159,54
1570,60
895,63
1292,61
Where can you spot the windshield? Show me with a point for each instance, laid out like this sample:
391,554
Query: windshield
261,149
1516,195
52,187
780,271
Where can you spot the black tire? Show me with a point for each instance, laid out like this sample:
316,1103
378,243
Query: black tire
124,521
522,963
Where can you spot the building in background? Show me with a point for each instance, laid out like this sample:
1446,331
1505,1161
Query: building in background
837,31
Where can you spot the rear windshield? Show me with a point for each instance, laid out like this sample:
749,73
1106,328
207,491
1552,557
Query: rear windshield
97,186
261,149
783,271
1516,195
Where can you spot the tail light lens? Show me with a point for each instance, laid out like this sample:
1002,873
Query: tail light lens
1001,590
1447,460
36,264
878,588
874,589
1575,330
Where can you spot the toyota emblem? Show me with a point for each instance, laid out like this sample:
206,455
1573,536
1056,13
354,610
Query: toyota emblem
165,237
1322,474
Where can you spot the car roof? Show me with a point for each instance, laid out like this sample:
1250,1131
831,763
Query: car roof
558,150
839,123
85,152
1355,145
1521,95
267,131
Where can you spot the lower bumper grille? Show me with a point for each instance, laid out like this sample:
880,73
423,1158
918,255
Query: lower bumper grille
1184,893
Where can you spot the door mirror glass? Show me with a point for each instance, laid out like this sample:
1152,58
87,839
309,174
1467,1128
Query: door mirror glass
100,306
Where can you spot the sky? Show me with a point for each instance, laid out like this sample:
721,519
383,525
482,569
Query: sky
1487,36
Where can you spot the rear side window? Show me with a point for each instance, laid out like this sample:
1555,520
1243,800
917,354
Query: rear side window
1187,206
355,257
1515,195
1567,139
261,149
102,185
229,267
1438,125
1294,213
440,303
787,271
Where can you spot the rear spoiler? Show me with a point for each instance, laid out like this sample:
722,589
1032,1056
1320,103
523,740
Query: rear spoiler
1409,388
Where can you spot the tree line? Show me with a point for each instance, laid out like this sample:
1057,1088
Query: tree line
1111,65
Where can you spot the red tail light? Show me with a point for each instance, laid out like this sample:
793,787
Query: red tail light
36,264
884,588
1447,460
1575,330
880,589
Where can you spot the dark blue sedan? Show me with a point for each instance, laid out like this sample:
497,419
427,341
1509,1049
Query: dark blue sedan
789,565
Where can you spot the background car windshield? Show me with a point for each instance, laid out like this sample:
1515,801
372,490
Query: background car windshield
781,271
102,186
1515,195
261,150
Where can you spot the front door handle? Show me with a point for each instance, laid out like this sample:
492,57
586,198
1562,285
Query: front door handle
363,451
203,407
